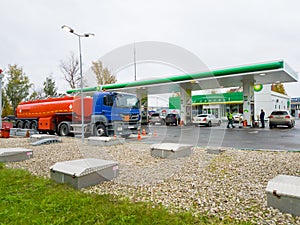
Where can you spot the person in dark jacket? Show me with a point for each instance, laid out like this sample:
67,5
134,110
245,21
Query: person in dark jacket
262,118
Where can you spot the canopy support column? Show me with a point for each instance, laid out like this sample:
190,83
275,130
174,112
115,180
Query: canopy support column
143,97
248,98
185,105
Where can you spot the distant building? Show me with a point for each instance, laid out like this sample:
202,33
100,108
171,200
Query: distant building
219,104
295,106
269,100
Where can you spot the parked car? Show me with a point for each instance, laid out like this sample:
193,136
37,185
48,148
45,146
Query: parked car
206,119
156,118
172,118
237,117
281,118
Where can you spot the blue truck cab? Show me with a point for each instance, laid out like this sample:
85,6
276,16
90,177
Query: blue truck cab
115,113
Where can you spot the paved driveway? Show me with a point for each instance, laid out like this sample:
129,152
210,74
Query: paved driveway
281,138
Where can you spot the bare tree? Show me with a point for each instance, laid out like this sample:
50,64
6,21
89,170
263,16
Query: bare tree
70,69
103,75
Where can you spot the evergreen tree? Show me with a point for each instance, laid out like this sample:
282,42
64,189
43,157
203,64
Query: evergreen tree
37,93
49,87
18,85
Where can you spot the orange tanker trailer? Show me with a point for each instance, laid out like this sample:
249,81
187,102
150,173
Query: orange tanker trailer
53,114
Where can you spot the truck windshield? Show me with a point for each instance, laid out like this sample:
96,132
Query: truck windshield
126,101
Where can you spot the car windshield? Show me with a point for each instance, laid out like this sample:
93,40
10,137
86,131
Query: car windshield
279,113
126,101
155,115
203,115
171,115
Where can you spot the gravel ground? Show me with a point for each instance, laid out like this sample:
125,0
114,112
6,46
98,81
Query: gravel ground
231,184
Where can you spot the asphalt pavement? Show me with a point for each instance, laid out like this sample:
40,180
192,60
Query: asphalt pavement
280,138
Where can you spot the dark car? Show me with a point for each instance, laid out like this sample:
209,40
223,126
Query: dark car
172,119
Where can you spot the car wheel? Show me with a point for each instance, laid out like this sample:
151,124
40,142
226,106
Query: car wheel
209,124
219,123
271,126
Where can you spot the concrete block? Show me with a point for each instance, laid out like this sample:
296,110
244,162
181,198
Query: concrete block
170,150
214,151
15,154
105,141
21,132
283,193
84,172
38,137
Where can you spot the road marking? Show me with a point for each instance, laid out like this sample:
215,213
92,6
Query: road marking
253,132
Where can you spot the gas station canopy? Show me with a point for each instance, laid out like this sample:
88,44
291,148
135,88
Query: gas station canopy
260,73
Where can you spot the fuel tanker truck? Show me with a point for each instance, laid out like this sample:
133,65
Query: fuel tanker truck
105,114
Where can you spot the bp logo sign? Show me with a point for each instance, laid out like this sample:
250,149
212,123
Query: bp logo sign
258,87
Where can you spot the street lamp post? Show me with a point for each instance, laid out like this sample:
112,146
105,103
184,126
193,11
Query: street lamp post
1,76
69,29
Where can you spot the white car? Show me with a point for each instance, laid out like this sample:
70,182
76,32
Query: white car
237,117
281,118
207,120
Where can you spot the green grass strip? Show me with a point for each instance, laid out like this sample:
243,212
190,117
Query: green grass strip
27,199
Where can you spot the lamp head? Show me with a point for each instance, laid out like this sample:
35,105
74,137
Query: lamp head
88,35
67,28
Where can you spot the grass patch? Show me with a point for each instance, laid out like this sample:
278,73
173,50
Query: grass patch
27,199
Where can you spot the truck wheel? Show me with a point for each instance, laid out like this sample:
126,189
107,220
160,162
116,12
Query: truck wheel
26,125
19,124
100,130
34,125
64,130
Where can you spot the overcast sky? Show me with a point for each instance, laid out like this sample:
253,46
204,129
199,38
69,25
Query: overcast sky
221,33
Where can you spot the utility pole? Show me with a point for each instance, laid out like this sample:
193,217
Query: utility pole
134,61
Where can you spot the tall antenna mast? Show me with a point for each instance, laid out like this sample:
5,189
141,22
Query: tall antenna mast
134,60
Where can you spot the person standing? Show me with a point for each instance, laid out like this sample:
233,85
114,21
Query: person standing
230,119
262,118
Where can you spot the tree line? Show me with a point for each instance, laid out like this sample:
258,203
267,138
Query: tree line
17,86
